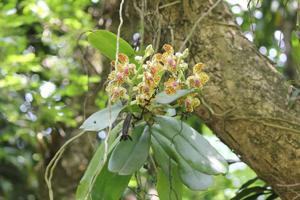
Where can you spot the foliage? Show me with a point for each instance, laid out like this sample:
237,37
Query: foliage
40,80
278,21
40,51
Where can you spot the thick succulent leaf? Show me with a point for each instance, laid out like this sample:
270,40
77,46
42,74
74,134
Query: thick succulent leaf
171,112
169,187
161,157
164,149
193,148
164,98
166,144
106,41
96,164
129,156
101,119
192,178
109,186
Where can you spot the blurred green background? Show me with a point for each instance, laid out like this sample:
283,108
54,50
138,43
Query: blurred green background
44,81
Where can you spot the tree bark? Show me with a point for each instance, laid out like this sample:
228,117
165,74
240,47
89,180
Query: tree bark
246,99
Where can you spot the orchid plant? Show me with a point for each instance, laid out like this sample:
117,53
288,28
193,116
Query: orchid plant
149,92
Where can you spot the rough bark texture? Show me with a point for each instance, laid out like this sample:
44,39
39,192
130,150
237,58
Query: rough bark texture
261,128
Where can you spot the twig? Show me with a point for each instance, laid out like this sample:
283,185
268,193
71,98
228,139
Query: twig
157,40
196,24
289,185
172,35
226,24
267,118
169,4
142,18
266,124
212,111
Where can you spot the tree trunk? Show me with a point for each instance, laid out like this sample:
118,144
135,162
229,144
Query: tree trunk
246,99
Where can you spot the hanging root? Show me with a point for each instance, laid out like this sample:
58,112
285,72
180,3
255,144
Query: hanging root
53,163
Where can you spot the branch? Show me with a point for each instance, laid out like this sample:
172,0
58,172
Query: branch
196,24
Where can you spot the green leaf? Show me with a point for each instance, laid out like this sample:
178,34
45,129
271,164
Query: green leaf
132,108
162,158
106,41
171,112
101,119
248,183
249,191
129,156
164,149
169,187
253,197
164,98
96,164
272,197
165,143
192,178
193,147
109,186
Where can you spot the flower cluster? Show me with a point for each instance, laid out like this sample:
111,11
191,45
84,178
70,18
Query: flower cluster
195,81
152,73
199,78
120,77
155,71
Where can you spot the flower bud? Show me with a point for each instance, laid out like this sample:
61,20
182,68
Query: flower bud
184,66
178,55
185,53
138,58
148,51
168,48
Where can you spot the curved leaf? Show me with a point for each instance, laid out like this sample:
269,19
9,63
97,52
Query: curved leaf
194,179
190,177
162,158
164,98
96,164
248,192
248,183
129,156
101,119
109,186
105,42
169,168
169,187
193,148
